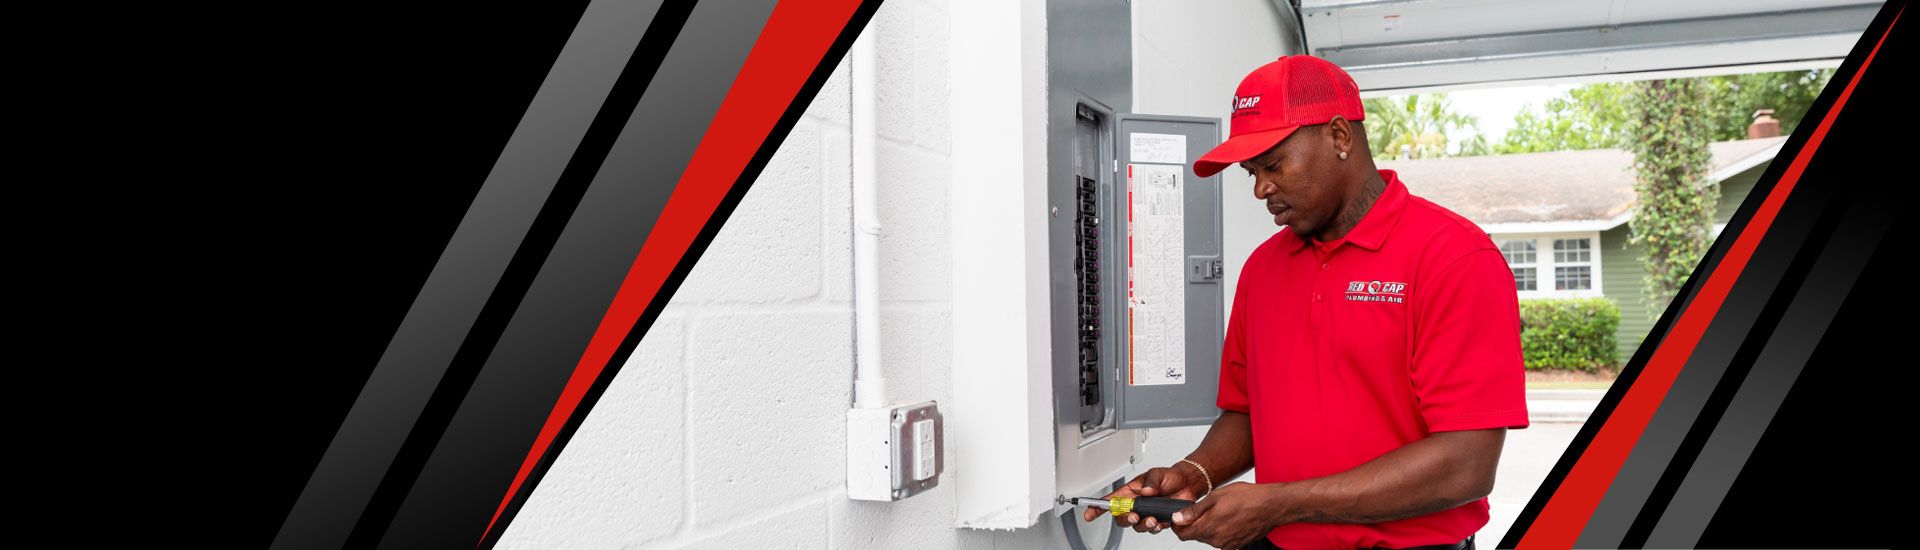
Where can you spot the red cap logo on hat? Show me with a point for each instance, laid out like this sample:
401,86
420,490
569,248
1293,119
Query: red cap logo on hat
1276,99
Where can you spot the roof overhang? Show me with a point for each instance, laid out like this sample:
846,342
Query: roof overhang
1557,226
1748,163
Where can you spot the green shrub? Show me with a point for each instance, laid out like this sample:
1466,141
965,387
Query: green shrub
1568,333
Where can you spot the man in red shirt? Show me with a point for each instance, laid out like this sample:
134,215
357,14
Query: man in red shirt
1372,361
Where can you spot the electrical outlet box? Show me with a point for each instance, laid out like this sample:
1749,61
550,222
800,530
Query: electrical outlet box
894,452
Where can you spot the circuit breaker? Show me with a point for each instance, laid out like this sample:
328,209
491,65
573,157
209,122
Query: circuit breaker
1145,278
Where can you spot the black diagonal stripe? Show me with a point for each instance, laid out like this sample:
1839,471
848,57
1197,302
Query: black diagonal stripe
1828,472
1749,312
583,163
396,404
486,441
1816,335
1695,494
1658,333
722,212
1726,352
1818,212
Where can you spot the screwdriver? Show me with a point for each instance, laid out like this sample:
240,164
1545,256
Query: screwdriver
1160,508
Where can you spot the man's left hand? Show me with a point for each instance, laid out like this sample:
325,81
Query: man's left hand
1232,516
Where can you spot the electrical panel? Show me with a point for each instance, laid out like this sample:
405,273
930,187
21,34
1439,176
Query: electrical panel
1134,342
1145,275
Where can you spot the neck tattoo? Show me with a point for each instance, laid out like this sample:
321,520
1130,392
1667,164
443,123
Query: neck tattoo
1351,215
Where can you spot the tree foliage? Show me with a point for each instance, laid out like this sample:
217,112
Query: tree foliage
1733,99
1668,132
1589,117
1595,116
1416,126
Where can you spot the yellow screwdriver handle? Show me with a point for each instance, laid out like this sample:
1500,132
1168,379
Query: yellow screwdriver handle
1161,508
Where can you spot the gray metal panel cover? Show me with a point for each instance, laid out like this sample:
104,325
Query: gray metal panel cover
1192,402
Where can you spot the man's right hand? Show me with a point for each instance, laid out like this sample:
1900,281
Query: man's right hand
1180,481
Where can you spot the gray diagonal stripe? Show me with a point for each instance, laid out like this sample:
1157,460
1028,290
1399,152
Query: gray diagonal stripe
1668,428
1779,365
468,270
489,436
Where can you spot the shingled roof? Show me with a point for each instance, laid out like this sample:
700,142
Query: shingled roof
1594,184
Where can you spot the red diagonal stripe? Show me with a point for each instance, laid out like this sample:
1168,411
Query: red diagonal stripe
793,43
1567,512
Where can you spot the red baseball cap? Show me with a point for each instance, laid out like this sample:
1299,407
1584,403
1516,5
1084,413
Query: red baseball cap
1276,99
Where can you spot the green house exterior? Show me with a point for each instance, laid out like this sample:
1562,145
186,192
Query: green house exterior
1624,274
1533,204
1734,190
1624,286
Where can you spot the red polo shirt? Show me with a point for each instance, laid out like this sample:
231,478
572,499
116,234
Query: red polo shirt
1343,351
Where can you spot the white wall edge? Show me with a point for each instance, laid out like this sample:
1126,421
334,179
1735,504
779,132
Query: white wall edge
1000,423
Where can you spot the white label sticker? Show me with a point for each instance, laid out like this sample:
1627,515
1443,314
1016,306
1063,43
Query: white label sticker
1159,148
1156,276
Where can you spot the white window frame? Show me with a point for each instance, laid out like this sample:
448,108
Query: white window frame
1544,263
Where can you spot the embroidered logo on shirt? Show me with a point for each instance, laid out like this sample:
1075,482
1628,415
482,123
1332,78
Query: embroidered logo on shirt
1376,291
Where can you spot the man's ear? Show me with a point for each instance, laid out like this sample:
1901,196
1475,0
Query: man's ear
1340,133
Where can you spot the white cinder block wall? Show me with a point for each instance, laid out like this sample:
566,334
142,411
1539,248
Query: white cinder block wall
726,429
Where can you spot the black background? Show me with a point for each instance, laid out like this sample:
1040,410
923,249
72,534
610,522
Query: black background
241,204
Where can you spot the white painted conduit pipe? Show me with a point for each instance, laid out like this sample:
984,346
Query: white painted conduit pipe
869,382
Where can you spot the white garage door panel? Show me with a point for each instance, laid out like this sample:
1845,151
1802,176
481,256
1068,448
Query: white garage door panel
1391,22
1400,46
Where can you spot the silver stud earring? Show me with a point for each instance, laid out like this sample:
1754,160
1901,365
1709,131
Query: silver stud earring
1343,155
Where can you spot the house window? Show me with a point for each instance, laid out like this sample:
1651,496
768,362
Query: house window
1577,277
1553,265
1573,264
1520,256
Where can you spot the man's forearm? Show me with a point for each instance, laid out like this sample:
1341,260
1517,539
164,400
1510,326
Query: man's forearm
1227,450
1445,470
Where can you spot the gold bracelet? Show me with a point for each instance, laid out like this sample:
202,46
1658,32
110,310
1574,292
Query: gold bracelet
1203,474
